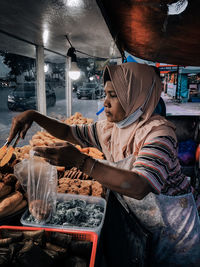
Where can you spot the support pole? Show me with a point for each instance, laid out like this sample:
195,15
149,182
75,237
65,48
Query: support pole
68,88
41,92
177,80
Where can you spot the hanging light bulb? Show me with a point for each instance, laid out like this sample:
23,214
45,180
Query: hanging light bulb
91,78
74,71
46,68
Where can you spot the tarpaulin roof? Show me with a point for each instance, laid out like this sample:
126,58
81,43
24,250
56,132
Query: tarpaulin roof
150,30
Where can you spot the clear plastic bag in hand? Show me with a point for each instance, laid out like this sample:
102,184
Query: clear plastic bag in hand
39,179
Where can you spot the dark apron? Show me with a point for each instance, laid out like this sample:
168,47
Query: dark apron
124,242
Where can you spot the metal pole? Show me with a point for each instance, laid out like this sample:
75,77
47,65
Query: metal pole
68,88
177,82
41,92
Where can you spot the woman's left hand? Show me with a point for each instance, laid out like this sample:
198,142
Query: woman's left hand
61,154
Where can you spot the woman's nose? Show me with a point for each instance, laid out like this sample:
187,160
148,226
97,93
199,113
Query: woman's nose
106,103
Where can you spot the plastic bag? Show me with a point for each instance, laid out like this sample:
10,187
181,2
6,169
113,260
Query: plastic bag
39,179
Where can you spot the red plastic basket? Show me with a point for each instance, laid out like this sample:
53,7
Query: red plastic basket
76,235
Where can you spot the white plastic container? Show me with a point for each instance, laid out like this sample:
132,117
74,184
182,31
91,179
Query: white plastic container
65,197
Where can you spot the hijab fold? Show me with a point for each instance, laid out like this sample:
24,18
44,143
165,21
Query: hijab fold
132,82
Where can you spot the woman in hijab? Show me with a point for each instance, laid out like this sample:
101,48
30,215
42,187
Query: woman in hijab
141,163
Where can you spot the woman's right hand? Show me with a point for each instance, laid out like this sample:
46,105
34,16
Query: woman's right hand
21,124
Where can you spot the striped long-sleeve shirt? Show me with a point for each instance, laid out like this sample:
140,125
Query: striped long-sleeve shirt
157,161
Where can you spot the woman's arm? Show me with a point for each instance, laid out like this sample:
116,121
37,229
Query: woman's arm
55,127
23,122
125,182
122,181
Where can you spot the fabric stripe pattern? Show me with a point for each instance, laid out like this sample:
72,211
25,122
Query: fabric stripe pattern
158,163
86,135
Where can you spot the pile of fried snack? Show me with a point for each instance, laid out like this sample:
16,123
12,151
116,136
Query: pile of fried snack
73,181
42,248
12,196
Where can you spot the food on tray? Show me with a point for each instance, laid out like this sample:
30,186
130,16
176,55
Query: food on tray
10,179
85,188
3,151
42,248
82,187
20,206
94,152
11,195
97,189
10,204
37,236
4,189
78,118
6,158
74,173
60,168
91,151
61,240
16,235
23,152
5,242
18,187
76,212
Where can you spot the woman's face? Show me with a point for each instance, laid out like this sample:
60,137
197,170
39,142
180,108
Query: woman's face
113,109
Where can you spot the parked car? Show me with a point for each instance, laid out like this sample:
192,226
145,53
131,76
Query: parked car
23,97
91,90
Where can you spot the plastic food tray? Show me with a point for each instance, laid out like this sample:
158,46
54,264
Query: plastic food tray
76,235
64,197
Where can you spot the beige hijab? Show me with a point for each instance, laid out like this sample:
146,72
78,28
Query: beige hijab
132,82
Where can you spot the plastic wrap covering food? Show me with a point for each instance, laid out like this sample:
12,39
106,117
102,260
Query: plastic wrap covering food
39,179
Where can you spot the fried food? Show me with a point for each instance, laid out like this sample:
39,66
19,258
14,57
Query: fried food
60,168
85,188
96,151
3,151
18,187
97,189
78,118
6,158
91,151
17,208
9,203
4,189
10,179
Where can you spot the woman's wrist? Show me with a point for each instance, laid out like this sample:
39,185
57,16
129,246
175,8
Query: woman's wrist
82,162
89,165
